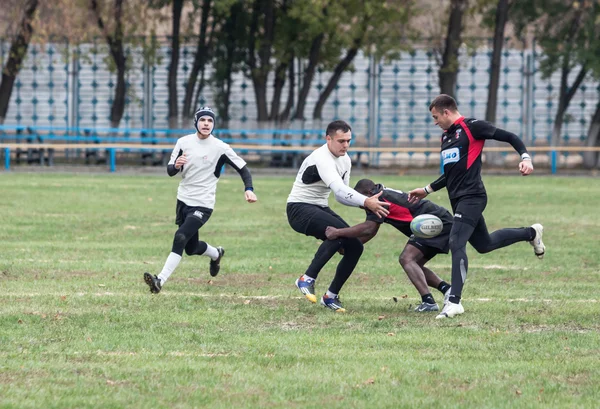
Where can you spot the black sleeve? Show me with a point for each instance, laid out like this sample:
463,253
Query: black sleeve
372,217
505,136
171,170
481,129
246,177
439,183
244,172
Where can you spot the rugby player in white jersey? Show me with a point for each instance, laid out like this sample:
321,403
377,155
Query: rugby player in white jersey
198,157
326,170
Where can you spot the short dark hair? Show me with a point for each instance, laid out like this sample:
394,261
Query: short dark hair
335,126
364,186
442,102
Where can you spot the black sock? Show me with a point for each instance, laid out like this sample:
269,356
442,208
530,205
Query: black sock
443,287
455,299
428,298
532,233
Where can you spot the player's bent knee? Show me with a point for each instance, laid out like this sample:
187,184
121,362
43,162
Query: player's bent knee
180,239
353,245
482,249
405,259
455,244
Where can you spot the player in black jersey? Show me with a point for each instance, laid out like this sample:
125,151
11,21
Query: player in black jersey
417,251
462,145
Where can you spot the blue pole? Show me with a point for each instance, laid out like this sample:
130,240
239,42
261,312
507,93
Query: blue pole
7,158
553,159
112,159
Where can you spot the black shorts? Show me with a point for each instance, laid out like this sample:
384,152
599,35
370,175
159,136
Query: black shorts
469,209
435,245
312,220
184,211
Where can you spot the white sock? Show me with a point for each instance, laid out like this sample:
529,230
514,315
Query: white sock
170,266
211,252
307,278
329,294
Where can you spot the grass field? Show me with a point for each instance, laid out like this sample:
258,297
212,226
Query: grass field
79,329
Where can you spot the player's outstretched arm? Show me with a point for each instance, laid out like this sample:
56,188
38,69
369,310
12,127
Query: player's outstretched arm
417,194
365,231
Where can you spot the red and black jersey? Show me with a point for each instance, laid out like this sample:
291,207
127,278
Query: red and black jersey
462,145
402,212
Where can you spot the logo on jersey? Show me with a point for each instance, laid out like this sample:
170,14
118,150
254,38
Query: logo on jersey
198,214
458,133
450,156
458,215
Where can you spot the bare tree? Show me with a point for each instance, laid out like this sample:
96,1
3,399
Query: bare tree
501,19
172,82
17,53
115,45
200,59
448,72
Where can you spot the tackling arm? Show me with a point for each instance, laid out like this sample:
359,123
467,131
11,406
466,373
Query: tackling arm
365,231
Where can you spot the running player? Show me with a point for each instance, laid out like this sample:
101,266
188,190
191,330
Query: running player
199,158
417,251
462,145
326,170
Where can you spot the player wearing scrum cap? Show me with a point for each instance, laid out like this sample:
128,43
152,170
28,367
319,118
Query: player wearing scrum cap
198,158
326,170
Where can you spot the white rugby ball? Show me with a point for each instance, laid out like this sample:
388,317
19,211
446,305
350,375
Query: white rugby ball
426,226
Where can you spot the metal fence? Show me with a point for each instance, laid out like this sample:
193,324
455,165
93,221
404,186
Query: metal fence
386,102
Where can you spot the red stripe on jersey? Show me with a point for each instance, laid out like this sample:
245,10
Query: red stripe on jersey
400,213
475,145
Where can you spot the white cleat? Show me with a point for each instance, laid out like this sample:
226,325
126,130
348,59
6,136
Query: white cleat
450,310
538,245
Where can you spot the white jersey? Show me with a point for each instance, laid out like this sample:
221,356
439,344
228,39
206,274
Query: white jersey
199,177
318,171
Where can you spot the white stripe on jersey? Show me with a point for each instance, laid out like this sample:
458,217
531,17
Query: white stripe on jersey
330,169
198,184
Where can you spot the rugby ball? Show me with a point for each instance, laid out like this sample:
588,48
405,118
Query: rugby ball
426,226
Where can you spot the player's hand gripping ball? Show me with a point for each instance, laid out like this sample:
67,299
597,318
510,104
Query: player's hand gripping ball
426,226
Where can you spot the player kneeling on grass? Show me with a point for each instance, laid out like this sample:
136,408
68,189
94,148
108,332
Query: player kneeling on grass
199,158
417,251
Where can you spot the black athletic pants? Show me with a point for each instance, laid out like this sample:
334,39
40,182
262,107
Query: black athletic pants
189,219
469,225
312,220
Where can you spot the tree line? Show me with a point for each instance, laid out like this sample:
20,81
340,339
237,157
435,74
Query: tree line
268,40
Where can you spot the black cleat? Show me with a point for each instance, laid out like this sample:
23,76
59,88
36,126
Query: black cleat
153,282
215,265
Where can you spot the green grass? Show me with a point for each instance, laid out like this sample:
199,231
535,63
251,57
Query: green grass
78,327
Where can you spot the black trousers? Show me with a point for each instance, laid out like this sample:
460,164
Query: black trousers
469,226
312,220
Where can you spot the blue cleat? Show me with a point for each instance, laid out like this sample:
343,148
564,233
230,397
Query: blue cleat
333,303
307,288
